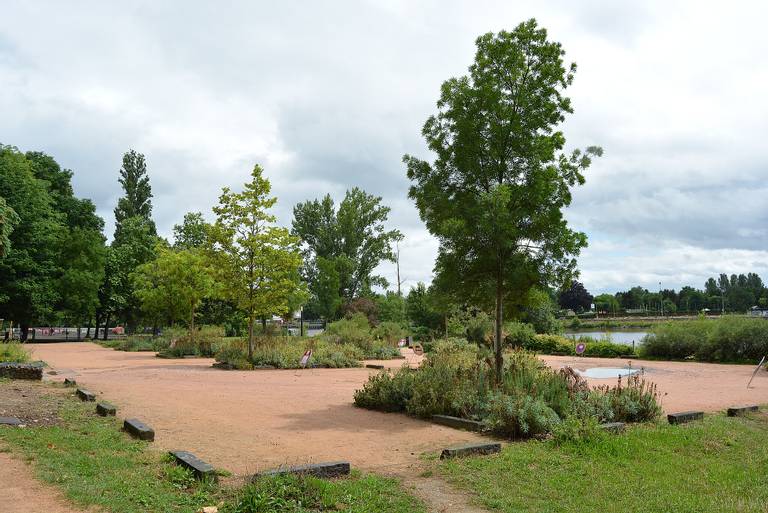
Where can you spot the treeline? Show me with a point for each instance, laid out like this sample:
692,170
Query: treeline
56,267
730,294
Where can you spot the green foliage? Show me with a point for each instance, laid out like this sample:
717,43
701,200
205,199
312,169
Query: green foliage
293,494
710,466
501,179
391,308
173,285
137,200
286,353
258,262
726,339
520,416
8,220
342,247
14,352
192,233
518,334
530,400
475,325
422,308
354,329
389,332
55,262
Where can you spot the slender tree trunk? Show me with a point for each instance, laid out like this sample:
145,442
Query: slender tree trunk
251,322
264,325
106,326
497,342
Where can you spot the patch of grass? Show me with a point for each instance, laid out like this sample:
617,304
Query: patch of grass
715,465
96,464
291,494
14,352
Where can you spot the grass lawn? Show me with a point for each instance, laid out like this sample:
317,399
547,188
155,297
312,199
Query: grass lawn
96,464
717,465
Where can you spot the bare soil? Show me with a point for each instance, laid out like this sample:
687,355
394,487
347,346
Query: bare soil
31,402
250,421
22,493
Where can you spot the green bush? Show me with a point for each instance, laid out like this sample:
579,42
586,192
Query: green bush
726,339
389,332
518,334
286,353
14,352
520,416
456,379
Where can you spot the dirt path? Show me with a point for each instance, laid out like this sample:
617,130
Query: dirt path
22,493
249,421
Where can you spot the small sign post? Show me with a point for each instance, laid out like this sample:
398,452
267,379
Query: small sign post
580,348
305,358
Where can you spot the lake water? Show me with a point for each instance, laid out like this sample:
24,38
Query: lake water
625,337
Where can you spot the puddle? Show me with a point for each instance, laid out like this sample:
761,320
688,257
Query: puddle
607,372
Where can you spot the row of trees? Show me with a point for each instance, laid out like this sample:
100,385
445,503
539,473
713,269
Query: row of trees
734,293
56,267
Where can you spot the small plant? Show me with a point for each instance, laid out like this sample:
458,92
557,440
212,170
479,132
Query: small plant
14,352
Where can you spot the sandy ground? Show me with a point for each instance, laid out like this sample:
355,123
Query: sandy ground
20,492
686,385
248,421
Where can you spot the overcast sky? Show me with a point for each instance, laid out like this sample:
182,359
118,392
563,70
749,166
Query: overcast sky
330,95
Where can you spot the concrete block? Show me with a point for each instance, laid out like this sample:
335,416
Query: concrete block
33,371
85,395
69,382
685,416
106,409
10,421
201,469
458,423
373,366
456,451
138,429
736,411
322,470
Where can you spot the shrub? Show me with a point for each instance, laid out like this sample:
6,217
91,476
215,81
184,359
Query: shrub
726,339
14,352
385,392
520,416
475,325
286,353
518,334
389,332
577,430
352,330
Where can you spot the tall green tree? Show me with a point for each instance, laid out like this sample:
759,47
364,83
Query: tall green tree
82,250
348,243
137,198
8,220
192,232
494,196
30,271
174,284
258,262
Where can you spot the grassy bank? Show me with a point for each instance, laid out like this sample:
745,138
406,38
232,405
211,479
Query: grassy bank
96,464
712,466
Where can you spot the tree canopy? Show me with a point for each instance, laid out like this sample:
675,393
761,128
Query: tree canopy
342,247
8,220
257,262
137,198
494,195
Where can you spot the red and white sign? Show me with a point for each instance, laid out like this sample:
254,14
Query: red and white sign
306,357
